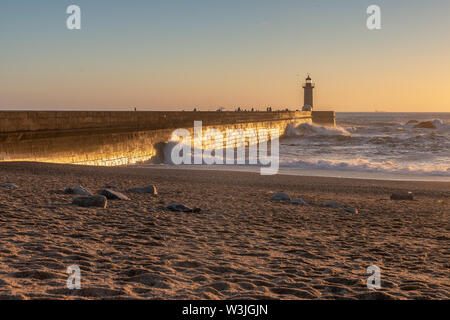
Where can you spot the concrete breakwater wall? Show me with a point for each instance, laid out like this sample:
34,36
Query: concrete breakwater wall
116,138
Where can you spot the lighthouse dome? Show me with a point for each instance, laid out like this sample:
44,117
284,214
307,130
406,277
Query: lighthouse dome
307,107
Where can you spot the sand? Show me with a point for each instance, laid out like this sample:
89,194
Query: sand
241,245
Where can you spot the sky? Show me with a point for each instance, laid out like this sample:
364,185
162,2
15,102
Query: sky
181,54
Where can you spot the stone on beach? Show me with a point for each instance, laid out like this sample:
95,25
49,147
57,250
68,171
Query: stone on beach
113,195
332,204
280,196
299,202
182,208
351,210
402,196
91,201
149,189
80,190
9,185
68,190
412,122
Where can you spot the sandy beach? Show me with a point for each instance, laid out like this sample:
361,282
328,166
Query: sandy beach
242,245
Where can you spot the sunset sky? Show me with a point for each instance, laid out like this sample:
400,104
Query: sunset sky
169,55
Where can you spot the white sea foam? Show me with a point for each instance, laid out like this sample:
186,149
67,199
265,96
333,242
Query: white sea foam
306,129
367,166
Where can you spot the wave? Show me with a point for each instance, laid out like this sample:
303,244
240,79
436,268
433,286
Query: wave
306,129
439,125
367,166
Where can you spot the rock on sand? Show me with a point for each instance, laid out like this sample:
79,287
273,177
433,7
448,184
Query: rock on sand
182,208
402,196
280,196
9,185
149,189
80,190
332,204
299,202
91,201
113,195
351,210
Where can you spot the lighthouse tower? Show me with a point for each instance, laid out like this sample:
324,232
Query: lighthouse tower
308,88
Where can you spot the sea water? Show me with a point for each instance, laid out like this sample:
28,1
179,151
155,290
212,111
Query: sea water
371,145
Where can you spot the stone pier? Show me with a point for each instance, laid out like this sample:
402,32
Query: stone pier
116,138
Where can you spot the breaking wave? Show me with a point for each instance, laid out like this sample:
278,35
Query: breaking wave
306,129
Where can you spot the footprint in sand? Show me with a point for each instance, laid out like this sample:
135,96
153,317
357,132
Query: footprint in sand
343,281
295,292
151,280
221,270
11,297
188,264
199,279
133,272
246,285
37,275
376,295
87,292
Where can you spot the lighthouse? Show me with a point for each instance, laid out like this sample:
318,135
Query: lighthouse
308,88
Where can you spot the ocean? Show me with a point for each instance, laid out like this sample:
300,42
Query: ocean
371,145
